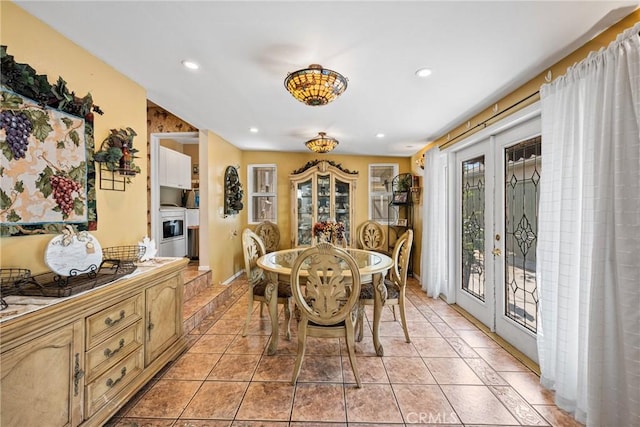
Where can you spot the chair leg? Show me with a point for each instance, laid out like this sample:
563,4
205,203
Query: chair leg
351,348
302,340
262,309
403,317
249,311
360,323
287,318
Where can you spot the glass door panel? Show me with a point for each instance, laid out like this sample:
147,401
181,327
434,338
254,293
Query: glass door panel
324,198
342,206
305,212
475,284
473,227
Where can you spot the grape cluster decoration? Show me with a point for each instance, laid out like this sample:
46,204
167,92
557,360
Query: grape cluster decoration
63,188
18,128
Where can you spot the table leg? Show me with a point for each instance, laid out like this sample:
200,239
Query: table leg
271,296
380,296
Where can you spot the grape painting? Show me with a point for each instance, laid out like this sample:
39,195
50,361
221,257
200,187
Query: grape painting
43,165
17,127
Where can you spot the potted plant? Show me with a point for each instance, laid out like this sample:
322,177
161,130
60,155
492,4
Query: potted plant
117,152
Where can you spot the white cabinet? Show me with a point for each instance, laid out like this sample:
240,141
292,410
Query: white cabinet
174,169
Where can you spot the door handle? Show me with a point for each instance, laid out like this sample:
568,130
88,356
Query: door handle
496,251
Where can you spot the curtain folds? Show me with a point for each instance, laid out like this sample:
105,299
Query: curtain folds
589,239
434,238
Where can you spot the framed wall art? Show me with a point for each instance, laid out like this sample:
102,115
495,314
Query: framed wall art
47,173
43,168
400,197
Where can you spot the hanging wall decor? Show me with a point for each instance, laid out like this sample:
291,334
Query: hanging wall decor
46,153
232,192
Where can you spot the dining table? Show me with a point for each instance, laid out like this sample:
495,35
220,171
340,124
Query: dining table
372,267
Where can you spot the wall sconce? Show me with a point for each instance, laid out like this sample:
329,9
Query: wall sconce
420,161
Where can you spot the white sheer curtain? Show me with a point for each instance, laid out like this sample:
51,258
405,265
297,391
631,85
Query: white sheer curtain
589,240
434,238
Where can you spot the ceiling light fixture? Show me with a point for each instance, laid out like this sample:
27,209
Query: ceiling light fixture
315,85
321,143
423,72
190,65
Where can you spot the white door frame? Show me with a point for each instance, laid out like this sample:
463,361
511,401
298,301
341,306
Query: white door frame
154,184
523,339
481,310
495,317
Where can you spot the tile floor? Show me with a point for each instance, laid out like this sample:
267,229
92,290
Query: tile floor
450,374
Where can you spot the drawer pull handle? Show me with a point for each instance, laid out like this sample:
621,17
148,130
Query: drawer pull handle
112,383
77,374
110,322
109,353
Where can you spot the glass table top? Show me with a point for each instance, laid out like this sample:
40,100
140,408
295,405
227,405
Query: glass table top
284,259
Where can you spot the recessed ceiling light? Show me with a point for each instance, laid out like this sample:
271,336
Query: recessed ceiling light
190,65
423,72
253,129
379,135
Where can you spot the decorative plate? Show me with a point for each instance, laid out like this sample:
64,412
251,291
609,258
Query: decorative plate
71,253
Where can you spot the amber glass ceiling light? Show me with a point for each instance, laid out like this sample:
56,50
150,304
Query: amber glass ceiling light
315,85
321,143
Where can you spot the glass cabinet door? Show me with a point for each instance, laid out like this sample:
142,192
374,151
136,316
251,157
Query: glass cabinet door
305,212
342,208
324,198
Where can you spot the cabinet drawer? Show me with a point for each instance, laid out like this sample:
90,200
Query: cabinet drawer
105,323
106,386
114,349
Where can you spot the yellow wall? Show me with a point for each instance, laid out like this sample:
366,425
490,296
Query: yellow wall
224,234
121,215
288,162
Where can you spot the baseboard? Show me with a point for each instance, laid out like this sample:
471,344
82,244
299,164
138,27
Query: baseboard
232,278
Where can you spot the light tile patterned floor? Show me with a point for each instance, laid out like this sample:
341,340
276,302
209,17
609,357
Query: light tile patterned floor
450,374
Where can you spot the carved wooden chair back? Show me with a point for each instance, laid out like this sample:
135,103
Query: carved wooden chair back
325,282
253,248
395,284
371,236
270,235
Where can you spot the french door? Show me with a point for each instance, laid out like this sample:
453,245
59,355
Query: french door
497,181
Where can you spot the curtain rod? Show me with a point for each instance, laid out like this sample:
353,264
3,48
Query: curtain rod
484,123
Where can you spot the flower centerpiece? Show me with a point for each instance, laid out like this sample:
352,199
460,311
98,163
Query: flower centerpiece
329,231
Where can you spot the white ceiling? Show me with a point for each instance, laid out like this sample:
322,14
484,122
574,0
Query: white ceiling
479,51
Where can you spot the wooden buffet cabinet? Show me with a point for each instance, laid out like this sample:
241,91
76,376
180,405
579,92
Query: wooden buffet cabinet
78,360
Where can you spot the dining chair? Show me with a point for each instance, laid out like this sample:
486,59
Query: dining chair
371,236
270,235
325,282
395,284
253,248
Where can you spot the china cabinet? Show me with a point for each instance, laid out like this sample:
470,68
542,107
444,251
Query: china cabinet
321,191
